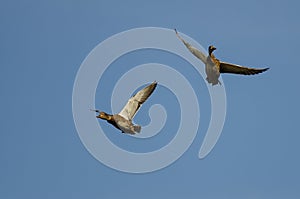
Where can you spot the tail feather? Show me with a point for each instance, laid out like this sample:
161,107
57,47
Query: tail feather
137,128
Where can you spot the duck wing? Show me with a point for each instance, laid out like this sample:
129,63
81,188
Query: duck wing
192,49
135,102
236,69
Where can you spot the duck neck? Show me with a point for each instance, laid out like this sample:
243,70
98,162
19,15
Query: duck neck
212,55
109,117
105,116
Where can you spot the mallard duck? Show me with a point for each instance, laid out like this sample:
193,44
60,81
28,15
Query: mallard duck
214,67
123,120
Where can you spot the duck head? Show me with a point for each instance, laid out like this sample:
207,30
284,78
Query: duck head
211,49
104,116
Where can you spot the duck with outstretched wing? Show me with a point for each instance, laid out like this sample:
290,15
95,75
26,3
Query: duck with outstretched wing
214,67
123,120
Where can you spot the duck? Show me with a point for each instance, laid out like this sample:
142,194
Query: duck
214,67
123,120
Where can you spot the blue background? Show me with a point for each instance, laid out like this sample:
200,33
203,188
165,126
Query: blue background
43,44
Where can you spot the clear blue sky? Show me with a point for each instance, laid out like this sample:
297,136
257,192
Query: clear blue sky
43,44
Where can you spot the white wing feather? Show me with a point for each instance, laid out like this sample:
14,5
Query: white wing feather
200,55
135,102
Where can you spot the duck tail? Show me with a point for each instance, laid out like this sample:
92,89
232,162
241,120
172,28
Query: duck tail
137,128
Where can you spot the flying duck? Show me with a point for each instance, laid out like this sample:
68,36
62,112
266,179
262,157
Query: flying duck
214,67
123,120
